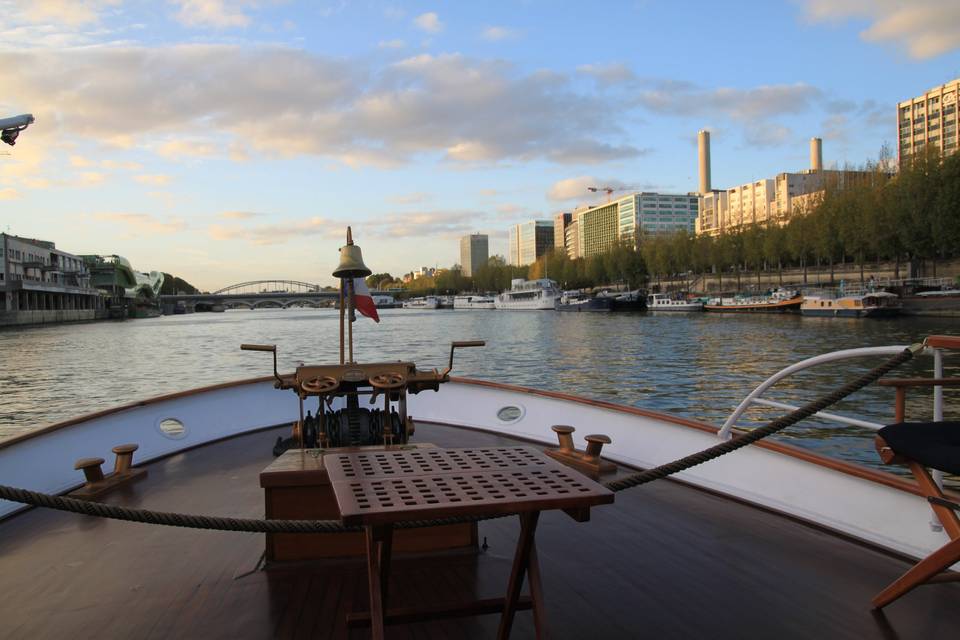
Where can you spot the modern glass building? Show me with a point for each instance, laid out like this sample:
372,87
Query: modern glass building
530,240
474,252
629,218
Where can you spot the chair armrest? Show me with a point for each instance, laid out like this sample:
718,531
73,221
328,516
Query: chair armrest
919,382
943,502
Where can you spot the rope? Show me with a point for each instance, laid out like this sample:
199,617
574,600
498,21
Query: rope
250,525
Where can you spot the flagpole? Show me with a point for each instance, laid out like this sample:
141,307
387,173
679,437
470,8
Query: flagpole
342,304
350,317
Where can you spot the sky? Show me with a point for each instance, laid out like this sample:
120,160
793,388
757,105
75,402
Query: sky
233,140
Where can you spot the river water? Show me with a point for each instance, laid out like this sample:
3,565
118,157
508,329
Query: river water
694,365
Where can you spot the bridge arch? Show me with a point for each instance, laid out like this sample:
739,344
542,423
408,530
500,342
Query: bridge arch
270,286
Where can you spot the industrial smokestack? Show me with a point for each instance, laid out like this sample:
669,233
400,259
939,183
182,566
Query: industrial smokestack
703,145
816,154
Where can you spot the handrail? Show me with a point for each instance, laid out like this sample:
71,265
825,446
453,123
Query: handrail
844,354
853,422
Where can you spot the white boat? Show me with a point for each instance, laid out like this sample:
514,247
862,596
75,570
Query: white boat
529,294
664,302
474,302
427,302
876,304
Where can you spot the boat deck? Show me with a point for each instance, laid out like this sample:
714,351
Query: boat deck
665,560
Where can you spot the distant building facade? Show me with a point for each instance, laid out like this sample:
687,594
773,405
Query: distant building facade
929,121
474,253
628,219
40,283
772,200
560,223
529,240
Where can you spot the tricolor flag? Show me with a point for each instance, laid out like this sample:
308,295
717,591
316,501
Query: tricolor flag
363,301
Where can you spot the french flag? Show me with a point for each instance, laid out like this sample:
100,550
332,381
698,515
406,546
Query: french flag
363,301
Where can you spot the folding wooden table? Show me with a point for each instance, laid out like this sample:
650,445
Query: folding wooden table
378,489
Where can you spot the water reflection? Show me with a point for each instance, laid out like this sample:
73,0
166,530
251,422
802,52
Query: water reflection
695,365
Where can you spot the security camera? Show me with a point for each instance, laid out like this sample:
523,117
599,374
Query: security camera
11,127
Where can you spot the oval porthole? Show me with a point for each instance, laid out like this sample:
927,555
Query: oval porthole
510,413
172,428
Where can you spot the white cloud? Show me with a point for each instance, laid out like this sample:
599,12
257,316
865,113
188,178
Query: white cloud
496,33
416,197
748,105
429,22
153,179
81,162
391,44
608,74
219,14
143,223
279,232
189,148
448,106
925,28
576,188
71,13
238,215
90,178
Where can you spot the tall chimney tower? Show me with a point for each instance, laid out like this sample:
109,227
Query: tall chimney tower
703,145
816,154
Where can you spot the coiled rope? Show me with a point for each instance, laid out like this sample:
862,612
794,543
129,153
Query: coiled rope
250,525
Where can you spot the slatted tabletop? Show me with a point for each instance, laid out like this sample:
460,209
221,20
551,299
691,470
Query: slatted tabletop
390,486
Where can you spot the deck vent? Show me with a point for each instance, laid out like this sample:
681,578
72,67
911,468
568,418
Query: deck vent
510,413
172,428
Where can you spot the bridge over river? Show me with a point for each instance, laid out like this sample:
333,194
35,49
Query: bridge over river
256,294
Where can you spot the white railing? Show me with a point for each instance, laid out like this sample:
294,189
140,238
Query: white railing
754,398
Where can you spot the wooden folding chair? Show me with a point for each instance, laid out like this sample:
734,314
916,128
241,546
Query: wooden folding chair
920,445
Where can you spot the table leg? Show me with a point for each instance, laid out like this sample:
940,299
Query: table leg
379,539
521,560
536,593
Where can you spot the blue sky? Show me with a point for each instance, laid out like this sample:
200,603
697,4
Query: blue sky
233,140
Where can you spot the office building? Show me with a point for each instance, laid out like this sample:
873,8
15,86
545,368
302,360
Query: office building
40,283
474,252
561,222
628,219
929,121
530,240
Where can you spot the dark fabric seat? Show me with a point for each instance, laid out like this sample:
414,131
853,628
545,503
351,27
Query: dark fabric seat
932,444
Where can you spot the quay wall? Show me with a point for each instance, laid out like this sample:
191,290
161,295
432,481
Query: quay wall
48,316
849,273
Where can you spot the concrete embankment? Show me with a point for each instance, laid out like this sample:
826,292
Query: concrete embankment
49,316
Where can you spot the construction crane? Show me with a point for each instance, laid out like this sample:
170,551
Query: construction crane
609,190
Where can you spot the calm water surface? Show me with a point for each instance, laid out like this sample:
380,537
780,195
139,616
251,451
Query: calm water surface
694,365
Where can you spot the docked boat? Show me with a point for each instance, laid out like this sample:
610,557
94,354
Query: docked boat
664,302
388,514
529,295
427,302
778,301
878,304
474,302
579,301
635,300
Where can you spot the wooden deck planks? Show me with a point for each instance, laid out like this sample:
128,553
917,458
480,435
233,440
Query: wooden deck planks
665,560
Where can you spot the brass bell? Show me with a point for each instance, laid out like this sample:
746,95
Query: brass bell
351,261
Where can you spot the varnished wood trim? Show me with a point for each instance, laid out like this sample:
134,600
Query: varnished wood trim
132,405
943,342
886,479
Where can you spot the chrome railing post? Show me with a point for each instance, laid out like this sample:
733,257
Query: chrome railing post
937,475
